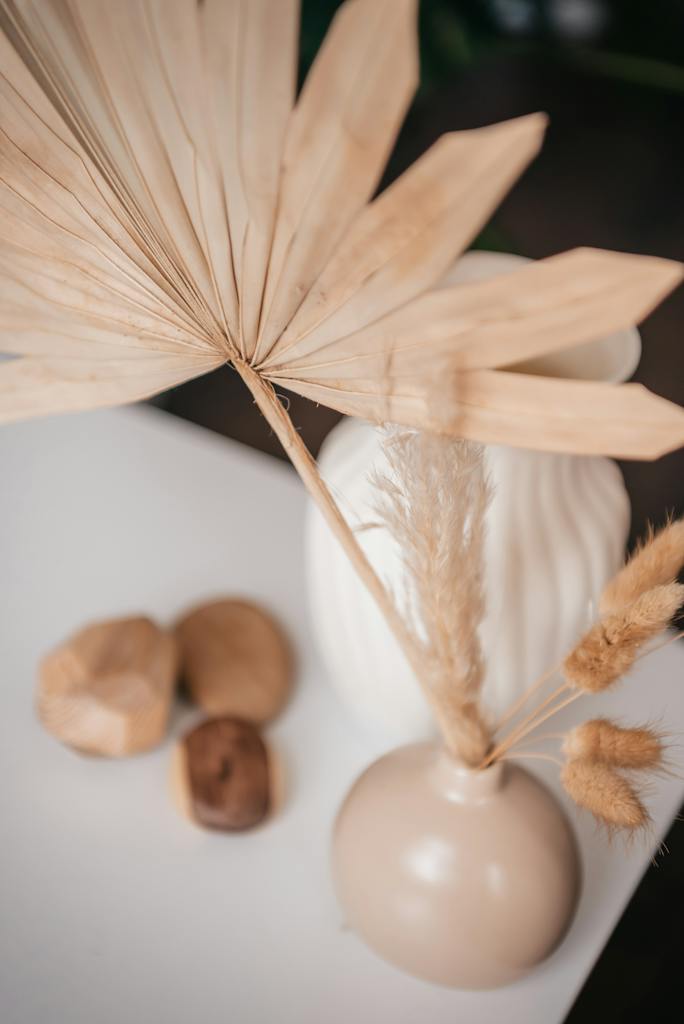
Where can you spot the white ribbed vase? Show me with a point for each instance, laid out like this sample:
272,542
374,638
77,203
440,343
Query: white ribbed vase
557,527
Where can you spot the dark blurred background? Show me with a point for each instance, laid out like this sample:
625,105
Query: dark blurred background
611,75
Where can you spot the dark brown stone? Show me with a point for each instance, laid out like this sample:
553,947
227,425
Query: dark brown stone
226,769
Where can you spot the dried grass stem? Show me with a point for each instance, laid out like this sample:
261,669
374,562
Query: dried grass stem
432,499
302,460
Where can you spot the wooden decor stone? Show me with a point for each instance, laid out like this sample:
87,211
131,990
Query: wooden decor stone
222,775
108,689
235,660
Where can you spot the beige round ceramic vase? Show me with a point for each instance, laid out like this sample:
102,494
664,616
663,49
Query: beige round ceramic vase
461,877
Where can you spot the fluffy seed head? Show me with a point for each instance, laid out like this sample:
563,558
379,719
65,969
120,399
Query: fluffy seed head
656,561
432,498
608,650
603,741
610,797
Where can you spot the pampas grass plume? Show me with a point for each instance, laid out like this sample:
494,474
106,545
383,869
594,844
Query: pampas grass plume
602,741
607,794
432,500
656,561
608,650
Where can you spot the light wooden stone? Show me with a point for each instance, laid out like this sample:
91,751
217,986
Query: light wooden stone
108,689
236,660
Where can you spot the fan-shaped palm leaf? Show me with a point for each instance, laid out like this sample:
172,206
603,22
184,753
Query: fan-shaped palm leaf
166,207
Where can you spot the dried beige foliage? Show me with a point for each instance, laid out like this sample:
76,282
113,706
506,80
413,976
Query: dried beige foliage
432,498
167,207
610,797
656,561
637,606
608,650
603,741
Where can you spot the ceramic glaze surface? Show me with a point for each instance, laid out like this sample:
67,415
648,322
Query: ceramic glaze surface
556,531
468,879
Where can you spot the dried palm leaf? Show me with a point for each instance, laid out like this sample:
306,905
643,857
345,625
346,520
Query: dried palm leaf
166,208
160,192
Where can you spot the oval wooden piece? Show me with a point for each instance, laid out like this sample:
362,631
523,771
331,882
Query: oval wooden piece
236,660
222,775
107,689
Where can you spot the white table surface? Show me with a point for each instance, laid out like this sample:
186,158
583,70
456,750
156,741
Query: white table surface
113,908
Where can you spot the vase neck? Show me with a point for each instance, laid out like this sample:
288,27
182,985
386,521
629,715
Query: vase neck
462,784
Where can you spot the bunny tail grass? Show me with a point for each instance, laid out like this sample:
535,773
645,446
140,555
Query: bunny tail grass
657,561
602,741
608,650
609,796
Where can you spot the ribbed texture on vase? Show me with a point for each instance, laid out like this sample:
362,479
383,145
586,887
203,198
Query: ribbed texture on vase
557,527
